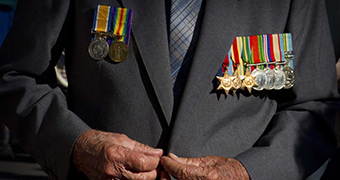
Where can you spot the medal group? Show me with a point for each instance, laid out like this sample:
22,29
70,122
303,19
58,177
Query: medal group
260,62
110,33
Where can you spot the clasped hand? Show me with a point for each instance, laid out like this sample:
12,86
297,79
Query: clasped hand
103,155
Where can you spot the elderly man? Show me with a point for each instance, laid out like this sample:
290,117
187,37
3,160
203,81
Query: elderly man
131,110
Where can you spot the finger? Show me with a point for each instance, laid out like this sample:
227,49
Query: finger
142,148
165,176
188,161
200,161
132,160
151,175
125,141
179,170
184,171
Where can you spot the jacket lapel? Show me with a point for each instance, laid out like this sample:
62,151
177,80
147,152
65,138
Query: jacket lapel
216,36
150,33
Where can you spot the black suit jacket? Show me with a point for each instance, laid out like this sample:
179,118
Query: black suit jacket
284,134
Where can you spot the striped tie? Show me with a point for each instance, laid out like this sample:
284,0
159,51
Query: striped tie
183,19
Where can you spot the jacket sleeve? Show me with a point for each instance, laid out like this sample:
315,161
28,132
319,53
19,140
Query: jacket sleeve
31,104
300,137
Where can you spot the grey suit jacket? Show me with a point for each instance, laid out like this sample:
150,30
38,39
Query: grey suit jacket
284,134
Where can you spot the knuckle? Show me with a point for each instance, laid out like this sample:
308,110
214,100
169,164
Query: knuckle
141,161
213,175
142,177
183,173
113,170
130,175
109,150
122,136
207,173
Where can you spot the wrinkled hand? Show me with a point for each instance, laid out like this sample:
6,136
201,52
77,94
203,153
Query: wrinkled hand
102,155
208,168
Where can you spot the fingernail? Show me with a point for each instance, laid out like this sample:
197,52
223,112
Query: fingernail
172,155
159,150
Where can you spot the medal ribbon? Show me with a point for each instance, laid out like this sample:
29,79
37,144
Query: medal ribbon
265,48
288,47
254,45
261,48
246,53
225,64
102,17
101,20
121,23
282,57
230,68
240,50
277,47
236,56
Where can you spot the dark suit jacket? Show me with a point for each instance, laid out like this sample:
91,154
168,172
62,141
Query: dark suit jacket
333,11
284,134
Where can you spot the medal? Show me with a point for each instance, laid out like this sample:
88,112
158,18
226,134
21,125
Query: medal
110,22
272,54
279,78
260,79
225,83
121,24
270,74
249,81
279,74
118,51
236,82
238,67
289,77
289,65
98,48
247,57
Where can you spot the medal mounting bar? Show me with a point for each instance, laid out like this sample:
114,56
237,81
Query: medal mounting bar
267,59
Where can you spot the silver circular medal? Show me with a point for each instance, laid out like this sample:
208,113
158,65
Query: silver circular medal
290,77
260,79
279,79
98,48
270,74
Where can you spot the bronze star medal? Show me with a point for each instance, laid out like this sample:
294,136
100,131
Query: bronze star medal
249,81
236,81
225,83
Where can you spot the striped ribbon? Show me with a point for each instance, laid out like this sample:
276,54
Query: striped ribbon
246,53
288,47
236,54
102,18
257,49
121,23
115,19
226,63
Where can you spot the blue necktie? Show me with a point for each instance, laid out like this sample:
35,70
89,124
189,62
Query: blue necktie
183,19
